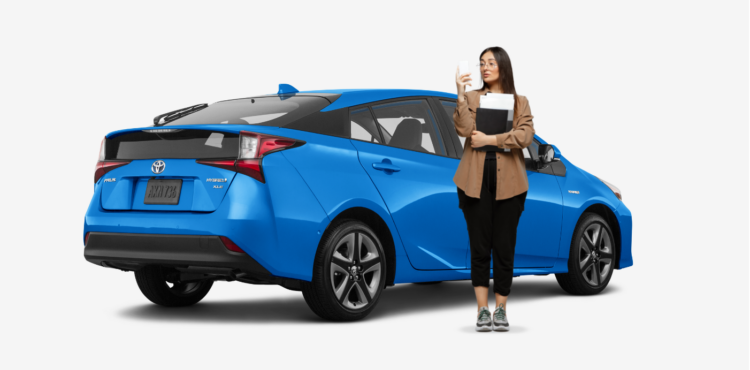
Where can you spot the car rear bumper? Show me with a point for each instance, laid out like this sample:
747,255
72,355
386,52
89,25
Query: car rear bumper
133,251
278,226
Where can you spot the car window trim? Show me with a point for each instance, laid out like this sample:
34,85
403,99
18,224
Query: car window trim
450,127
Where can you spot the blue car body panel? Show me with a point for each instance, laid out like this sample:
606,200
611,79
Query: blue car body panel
274,225
542,208
591,191
280,223
129,188
421,198
626,231
324,158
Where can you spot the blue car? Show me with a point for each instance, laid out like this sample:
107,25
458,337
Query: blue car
335,193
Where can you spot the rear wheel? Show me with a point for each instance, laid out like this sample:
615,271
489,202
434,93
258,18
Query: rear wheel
592,257
161,285
348,274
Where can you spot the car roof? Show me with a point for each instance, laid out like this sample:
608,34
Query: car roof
352,97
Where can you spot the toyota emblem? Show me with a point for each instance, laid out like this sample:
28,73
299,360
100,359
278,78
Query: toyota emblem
158,167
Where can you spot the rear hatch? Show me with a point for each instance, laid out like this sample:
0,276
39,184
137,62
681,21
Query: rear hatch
188,161
163,174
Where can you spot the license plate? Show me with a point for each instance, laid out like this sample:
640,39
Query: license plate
163,192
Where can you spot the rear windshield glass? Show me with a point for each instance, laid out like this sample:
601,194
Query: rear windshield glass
264,111
174,144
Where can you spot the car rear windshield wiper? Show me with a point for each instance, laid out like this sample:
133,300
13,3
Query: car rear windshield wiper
165,118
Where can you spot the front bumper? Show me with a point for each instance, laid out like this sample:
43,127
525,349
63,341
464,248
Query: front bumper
133,251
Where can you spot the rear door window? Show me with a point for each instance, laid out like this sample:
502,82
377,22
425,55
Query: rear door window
409,124
362,126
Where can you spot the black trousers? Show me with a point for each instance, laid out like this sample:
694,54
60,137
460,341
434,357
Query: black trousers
492,226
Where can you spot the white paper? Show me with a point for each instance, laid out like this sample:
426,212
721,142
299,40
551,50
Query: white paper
497,101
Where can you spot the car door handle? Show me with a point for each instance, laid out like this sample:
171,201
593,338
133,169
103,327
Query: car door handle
386,166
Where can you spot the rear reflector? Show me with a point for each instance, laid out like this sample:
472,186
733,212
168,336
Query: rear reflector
230,245
86,239
105,166
227,164
251,167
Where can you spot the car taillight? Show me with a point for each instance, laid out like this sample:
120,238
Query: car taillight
106,166
103,166
253,147
230,244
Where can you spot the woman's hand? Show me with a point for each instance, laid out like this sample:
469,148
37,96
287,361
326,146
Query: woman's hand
479,139
461,82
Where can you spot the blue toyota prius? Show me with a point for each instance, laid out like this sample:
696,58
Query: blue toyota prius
335,193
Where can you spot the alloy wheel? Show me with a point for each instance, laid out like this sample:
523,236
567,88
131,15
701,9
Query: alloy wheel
596,254
356,270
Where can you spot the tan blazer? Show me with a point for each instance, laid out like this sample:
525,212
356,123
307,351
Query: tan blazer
511,169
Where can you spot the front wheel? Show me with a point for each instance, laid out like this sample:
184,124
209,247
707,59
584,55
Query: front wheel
592,257
162,286
348,273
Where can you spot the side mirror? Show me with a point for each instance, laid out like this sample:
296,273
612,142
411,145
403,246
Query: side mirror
557,153
546,155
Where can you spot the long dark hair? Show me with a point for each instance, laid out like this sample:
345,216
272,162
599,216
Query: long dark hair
506,74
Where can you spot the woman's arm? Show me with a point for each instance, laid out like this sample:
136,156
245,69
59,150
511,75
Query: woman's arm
462,118
521,136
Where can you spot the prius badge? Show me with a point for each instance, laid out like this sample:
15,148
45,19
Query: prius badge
158,167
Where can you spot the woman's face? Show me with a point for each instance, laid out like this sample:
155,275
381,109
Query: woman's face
489,69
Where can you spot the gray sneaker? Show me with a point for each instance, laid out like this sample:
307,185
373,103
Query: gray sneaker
484,322
500,320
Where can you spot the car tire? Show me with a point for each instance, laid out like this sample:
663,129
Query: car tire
349,273
158,284
589,273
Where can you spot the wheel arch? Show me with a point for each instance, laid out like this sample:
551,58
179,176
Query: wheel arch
376,223
608,215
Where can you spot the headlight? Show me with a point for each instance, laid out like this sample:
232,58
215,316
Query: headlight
614,189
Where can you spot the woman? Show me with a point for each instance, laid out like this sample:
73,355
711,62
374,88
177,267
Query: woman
492,186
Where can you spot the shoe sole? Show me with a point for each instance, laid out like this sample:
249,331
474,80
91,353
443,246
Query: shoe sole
484,328
500,328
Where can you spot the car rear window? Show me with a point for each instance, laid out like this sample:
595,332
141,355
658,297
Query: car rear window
175,143
265,111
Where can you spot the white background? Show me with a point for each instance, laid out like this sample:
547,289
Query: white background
649,95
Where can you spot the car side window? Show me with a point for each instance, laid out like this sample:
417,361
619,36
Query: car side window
450,107
362,125
409,125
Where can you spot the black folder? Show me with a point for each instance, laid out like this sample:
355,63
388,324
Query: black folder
491,122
